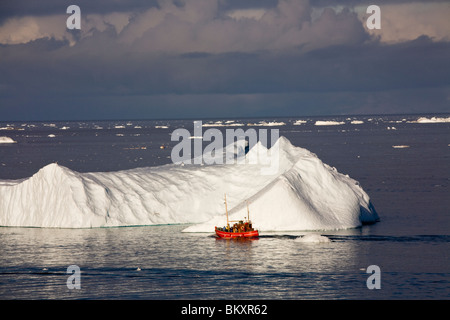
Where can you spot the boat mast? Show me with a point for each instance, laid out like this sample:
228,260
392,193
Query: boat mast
248,212
226,209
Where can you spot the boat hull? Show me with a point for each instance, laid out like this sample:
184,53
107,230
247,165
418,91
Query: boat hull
230,235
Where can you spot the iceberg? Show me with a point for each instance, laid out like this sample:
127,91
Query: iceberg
431,120
328,123
302,194
267,124
6,140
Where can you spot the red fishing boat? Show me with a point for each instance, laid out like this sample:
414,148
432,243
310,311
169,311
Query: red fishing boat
240,229
245,234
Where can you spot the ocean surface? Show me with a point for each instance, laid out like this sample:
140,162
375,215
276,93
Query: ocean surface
402,163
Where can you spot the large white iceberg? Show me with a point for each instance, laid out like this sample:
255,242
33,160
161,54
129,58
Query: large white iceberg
302,194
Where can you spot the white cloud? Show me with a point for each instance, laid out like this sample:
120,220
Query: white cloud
408,21
29,28
198,26
188,29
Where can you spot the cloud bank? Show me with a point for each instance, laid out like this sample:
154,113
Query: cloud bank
216,57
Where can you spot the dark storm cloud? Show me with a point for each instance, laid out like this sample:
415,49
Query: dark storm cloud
17,8
328,3
192,59
415,64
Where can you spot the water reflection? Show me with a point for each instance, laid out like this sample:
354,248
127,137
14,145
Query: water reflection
272,266
161,262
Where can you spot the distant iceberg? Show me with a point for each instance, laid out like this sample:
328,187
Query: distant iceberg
267,124
303,194
229,123
6,140
431,120
328,123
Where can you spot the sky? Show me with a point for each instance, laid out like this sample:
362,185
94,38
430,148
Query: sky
185,59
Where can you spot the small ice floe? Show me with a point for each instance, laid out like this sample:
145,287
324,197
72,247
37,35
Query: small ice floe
299,122
400,146
215,124
229,123
7,140
138,269
51,135
313,238
267,124
328,123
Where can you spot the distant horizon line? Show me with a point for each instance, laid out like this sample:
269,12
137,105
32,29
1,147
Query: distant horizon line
230,118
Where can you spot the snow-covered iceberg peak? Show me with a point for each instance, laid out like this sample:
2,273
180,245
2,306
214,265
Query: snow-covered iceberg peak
53,197
305,195
302,193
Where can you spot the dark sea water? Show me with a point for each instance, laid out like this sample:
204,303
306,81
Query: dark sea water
403,166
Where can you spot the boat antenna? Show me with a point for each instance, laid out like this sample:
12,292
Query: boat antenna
226,209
